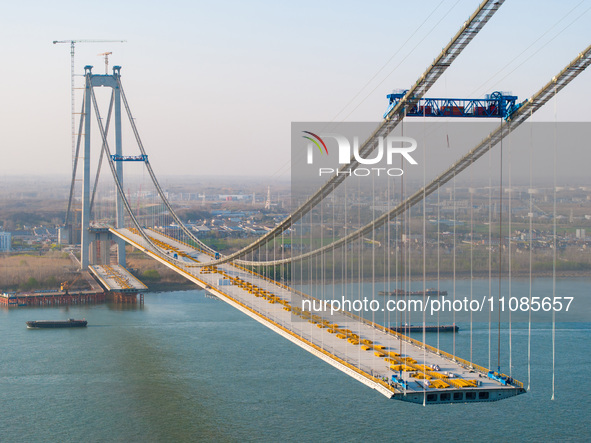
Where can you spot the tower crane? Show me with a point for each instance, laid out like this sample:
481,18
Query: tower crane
73,102
106,54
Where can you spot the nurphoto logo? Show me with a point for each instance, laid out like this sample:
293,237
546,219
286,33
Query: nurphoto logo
387,150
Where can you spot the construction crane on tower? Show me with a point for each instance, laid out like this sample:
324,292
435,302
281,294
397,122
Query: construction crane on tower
106,54
72,67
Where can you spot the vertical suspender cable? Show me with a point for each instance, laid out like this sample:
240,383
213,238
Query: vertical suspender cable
454,265
397,251
438,255
554,256
360,260
311,259
471,257
510,259
404,242
360,257
387,253
500,250
531,216
373,250
489,253
323,263
424,256
410,268
345,247
334,200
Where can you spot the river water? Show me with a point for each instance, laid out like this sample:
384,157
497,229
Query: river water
186,367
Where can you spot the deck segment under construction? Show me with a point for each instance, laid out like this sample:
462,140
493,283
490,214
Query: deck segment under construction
393,364
116,278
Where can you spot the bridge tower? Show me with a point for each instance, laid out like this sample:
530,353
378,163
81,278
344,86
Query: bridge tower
91,81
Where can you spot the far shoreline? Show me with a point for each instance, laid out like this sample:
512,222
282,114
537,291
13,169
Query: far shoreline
431,277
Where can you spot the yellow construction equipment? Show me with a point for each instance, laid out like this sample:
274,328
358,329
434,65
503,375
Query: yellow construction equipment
65,286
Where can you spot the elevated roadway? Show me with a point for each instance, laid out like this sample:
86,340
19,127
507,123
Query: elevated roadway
391,363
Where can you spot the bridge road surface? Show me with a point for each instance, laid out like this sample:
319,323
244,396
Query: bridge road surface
116,278
319,335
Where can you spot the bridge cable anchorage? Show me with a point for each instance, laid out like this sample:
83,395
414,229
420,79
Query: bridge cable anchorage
449,53
520,115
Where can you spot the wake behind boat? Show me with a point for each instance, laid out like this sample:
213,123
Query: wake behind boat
70,323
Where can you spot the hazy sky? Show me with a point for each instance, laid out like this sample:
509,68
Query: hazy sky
214,86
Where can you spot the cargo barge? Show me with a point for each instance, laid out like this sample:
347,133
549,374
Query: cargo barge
70,323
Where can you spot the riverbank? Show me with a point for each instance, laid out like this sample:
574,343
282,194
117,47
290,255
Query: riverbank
430,277
169,281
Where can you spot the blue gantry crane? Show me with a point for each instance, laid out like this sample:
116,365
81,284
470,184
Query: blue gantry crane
498,105
129,158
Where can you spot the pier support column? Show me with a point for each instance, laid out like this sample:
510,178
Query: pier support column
100,248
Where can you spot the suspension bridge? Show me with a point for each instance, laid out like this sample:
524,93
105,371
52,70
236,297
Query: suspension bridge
259,279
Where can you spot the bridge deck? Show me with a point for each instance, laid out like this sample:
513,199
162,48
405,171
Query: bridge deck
116,278
364,350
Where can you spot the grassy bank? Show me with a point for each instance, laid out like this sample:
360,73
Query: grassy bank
29,272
